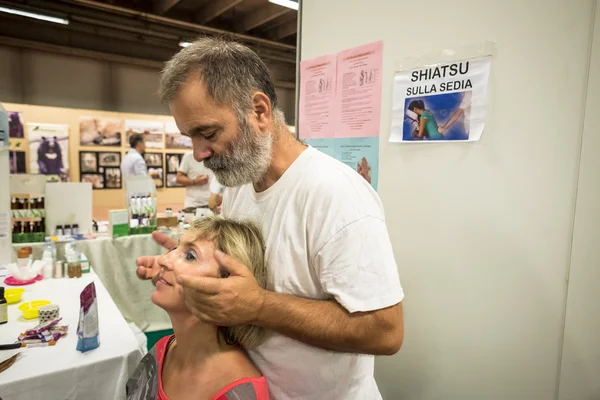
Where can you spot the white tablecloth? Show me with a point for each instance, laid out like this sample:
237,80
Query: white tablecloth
61,372
114,262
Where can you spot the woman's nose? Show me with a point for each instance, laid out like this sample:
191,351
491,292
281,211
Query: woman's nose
166,261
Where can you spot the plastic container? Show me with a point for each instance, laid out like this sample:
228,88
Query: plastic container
30,309
13,296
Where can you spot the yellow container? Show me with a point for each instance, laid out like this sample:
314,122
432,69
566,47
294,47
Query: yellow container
13,296
30,309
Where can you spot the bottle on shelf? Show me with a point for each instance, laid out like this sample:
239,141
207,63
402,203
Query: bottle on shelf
14,203
27,227
33,203
41,202
59,230
22,204
67,231
75,230
3,307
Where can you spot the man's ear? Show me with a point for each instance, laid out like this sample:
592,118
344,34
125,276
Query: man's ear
262,110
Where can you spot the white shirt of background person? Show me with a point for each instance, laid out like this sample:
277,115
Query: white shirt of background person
133,163
196,178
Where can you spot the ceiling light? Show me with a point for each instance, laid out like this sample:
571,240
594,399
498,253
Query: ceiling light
293,4
185,44
34,15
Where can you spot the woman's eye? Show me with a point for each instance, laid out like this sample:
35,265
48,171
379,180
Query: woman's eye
189,256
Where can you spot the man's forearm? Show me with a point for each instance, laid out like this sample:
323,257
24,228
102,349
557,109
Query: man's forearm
327,325
184,180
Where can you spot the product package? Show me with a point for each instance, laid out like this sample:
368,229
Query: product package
88,329
45,332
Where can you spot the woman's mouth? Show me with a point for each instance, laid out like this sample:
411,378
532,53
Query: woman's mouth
158,279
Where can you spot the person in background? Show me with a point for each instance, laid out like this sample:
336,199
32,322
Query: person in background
203,360
333,297
215,201
133,163
196,178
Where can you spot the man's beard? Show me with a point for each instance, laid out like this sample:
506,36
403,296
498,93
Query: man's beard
247,158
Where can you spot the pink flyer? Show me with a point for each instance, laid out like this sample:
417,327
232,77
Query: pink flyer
317,97
358,98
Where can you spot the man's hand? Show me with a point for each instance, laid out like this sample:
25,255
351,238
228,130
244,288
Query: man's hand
231,301
201,180
147,266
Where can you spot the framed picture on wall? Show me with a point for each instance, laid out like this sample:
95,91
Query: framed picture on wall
88,162
97,180
101,169
173,161
154,161
17,162
109,159
112,177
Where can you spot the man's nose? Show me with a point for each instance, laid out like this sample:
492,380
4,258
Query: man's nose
201,152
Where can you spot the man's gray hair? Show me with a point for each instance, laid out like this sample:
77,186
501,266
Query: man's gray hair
230,71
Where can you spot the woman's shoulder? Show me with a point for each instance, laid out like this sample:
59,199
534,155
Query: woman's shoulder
245,389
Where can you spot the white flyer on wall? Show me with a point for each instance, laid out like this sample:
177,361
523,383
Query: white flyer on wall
441,102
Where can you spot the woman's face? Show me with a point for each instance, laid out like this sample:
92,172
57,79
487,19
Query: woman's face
188,258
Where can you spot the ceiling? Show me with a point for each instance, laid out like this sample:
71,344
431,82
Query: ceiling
151,30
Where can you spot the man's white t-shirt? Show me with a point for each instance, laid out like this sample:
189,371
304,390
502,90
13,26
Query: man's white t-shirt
216,187
465,104
195,195
326,238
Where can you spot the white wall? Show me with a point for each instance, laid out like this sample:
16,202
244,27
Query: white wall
482,232
580,372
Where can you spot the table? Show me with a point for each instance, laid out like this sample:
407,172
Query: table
114,262
61,372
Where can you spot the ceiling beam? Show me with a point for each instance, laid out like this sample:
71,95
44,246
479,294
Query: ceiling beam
214,9
261,16
282,31
163,6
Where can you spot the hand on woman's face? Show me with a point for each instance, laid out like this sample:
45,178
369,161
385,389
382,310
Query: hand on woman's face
189,258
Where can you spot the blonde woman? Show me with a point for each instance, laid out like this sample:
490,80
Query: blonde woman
203,361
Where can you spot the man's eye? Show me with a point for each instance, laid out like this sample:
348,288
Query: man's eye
189,256
210,135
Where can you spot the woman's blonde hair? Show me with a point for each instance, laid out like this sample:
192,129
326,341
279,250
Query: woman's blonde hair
243,241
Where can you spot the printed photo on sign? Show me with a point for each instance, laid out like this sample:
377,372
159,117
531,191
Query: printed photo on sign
100,131
153,159
438,117
15,125
442,102
49,149
158,172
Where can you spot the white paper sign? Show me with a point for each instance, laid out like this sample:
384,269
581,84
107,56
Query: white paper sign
441,102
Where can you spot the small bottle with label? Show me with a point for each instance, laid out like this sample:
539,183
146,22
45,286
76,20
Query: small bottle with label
3,307
75,230
59,230
67,230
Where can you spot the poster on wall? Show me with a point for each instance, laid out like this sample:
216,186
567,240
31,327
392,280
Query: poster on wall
15,125
101,131
153,131
174,139
317,97
360,154
344,123
443,102
49,149
358,94
17,162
